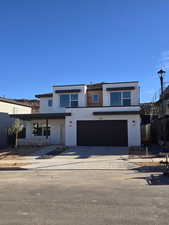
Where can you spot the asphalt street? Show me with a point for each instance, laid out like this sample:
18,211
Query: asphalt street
83,197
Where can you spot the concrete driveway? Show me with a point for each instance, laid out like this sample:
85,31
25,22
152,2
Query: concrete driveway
96,158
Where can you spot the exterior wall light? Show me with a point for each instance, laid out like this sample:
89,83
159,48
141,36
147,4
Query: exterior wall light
133,122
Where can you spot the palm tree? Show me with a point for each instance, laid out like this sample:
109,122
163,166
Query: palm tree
17,127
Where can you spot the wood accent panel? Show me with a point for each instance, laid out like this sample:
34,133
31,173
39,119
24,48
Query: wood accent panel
90,93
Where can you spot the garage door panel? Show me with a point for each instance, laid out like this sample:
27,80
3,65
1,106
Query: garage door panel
102,133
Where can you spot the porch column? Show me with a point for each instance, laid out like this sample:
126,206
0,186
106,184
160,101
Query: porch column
46,128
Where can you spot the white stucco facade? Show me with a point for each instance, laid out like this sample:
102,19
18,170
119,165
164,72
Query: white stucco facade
56,96
44,107
57,133
64,131
135,93
82,97
133,123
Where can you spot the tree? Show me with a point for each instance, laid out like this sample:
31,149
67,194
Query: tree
17,127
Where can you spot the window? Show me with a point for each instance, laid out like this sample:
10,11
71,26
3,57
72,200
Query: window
126,98
40,130
64,100
37,130
95,99
115,99
120,98
50,102
74,100
69,100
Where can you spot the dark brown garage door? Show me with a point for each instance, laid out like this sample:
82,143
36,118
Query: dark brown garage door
102,133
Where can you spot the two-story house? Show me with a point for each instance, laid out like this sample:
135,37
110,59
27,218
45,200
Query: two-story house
102,114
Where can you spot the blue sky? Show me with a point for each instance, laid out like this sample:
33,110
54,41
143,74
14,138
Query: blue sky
53,42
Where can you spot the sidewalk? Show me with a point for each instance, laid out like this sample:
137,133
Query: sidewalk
158,159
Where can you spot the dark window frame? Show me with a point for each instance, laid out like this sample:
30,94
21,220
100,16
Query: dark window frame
71,102
50,102
122,99
95,101
48,131
40,130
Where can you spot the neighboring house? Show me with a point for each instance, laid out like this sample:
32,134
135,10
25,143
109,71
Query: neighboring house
8,106
149,111
163,103
160,124
33,103
103,114
147,115
13,107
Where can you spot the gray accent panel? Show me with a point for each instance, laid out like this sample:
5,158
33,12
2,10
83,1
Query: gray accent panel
117,113
68,91
120,89
40,116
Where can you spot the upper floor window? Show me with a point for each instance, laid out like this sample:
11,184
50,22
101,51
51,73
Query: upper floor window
69,100
120,98
50,102
95,99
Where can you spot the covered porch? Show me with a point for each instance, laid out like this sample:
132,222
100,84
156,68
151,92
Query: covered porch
42,129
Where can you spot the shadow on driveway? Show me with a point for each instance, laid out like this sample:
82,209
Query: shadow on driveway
87,152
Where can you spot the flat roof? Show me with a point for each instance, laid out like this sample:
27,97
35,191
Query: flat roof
89,87
122,82
40,116
96,83
7,100
67,85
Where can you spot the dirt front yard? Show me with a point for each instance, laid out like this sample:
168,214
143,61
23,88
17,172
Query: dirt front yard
9,156
19,153
15,154
12,164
